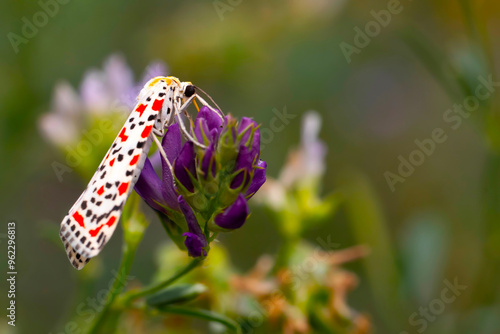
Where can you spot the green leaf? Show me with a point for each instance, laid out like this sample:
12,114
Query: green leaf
371,228
176,294
205,315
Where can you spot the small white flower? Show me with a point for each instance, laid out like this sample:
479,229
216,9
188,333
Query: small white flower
304,166
105,91
307,163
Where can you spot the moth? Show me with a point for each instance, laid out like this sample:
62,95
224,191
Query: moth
93,218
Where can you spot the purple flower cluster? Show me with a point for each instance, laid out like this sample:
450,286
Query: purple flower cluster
209,188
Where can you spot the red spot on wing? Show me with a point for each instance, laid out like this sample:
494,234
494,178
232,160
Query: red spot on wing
146,131
111,221
134,160
94,232
79,219
122,135
157,105
140,109
100,191
112,162
123,188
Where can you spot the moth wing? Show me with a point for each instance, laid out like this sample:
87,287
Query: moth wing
92,220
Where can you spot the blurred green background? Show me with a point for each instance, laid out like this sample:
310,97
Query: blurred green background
441,224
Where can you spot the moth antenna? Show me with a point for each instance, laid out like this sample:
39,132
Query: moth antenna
212,100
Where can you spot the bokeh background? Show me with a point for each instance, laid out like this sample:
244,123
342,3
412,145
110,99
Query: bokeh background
441,224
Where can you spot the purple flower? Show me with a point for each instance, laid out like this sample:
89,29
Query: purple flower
195,239
207,125
211,183
259,178
185,166
251,136
234,216
244,166
161,194
208,165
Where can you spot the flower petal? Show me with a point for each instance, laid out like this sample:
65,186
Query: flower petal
244,160
58,129
195,239
65,101
149,186
244,163
195,245
233,216
119,77
94,92
211,117
249,125
208,161
201,130
313,148
172,142
185,165
259,178
155,69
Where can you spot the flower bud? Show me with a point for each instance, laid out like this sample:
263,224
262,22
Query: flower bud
232,217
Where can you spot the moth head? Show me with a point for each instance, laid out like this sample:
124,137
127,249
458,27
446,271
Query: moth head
187,89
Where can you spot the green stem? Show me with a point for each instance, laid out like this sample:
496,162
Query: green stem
133,295
118,285
487,293
286,251
134,224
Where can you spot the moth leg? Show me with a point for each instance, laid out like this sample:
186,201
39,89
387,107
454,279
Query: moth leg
189,117
159,132
181,123
162,153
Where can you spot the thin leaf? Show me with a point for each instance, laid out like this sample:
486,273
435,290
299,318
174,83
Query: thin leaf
205,315
181,293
